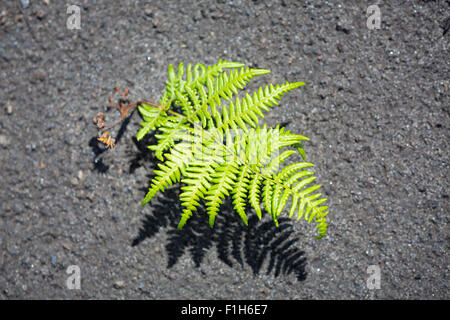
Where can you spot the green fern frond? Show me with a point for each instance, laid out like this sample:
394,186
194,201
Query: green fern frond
153,118
170,171
215,147
223,180
198,177
175,129
239,192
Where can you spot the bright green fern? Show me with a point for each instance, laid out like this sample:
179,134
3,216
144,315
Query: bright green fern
210,140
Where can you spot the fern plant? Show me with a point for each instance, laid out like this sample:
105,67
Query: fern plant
210,140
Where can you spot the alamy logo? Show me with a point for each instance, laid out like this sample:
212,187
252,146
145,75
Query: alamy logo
74,20
374,20
74,280
374,280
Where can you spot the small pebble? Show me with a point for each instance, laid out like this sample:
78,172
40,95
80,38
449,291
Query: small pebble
41,15
74,181
67,246
40,75
119,284
90,196
4,140
25,3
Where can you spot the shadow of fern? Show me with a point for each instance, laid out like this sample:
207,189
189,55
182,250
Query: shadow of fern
261,242
141,155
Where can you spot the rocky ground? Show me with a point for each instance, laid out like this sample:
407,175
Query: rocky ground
376,107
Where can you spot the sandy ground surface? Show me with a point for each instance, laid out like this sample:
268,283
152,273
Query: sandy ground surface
376,107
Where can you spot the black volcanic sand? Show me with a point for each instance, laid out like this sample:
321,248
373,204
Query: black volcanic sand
376,108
